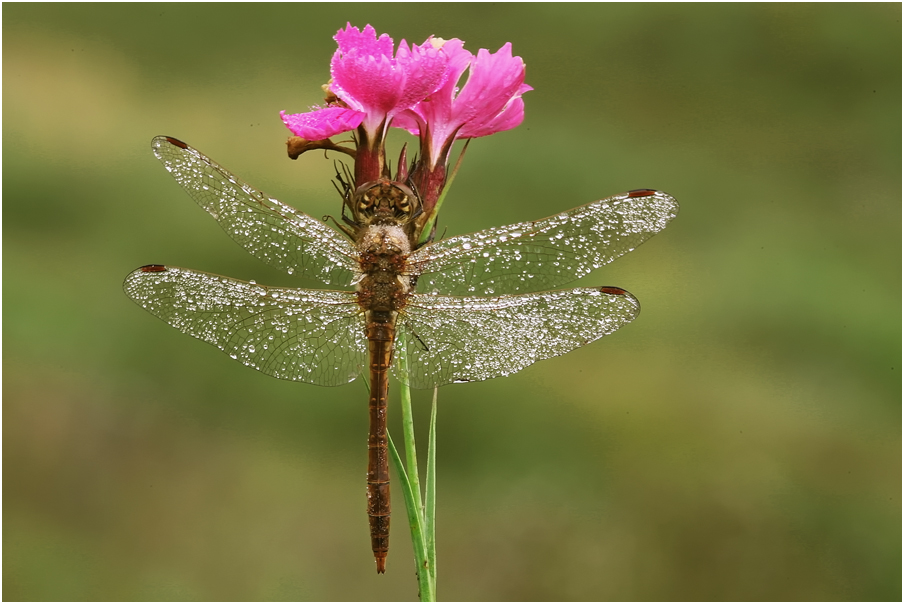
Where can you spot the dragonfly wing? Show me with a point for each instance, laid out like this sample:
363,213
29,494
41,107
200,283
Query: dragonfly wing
531,256
275,233
463,339
293,334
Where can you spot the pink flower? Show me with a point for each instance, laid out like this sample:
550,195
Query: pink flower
415,89
322,123
372,85
490,101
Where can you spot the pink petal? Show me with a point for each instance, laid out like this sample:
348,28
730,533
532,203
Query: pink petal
322,123
370,80
366,83
363,70
408,120
508,118
437,109
426,70
366,42
493,81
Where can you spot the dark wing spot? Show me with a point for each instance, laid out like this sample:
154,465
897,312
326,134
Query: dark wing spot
615,291
177,142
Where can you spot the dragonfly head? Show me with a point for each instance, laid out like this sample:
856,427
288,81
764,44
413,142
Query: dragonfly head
385,201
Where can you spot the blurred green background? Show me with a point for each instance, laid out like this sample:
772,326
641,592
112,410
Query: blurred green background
741,440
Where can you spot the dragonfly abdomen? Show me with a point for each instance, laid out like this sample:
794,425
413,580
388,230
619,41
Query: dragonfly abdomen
380,336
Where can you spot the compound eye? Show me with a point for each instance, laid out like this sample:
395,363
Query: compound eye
365,204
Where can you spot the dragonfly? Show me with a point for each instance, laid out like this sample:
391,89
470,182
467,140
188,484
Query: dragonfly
461,309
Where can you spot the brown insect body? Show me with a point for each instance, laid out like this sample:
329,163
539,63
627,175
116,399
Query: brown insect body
381,211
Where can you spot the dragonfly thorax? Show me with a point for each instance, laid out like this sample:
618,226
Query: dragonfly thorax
382,283
384,202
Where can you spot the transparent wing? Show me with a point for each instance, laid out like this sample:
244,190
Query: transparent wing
292,334
275,233
531,256
452,339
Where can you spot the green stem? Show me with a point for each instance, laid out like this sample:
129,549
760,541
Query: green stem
420,526
408,428
424,582
430,496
